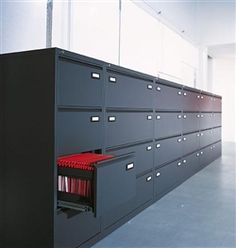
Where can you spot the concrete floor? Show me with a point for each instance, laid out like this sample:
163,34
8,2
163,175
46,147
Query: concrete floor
199,213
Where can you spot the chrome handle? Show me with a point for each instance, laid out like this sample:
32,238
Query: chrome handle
179,93
149,148
158,88
111,118
129,166
148,178
179,140
158,145
184,161
158,174
179,116
185,116
185,94
197,154
149,86
184,138
95,75
158,117
95,118
112,79
179,163
149,117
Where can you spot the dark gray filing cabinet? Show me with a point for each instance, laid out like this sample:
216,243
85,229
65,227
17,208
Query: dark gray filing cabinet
160,133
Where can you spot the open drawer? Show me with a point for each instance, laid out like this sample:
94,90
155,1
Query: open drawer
110,184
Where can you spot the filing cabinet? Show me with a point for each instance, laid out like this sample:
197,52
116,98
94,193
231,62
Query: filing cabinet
122,86
158,132
128,127
168,124
172,145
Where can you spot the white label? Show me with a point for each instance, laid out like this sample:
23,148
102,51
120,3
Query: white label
111,118
149,178
149,86
130,166
158,145
149,148
149,117
95,118
112,79
158,174
95,75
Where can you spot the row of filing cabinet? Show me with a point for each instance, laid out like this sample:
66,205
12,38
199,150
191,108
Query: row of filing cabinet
124,127
77,81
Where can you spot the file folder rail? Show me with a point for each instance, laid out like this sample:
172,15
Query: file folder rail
140,137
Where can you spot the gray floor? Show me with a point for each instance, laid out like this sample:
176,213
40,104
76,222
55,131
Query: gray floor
199,213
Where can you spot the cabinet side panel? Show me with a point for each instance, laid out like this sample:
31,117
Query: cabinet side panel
29,161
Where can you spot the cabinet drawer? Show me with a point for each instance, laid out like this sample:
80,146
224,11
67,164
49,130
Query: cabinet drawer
127,91
167,124
216,134
167,150
144,189
190,122
190,142
143,153
190,164
206,138
206,120
80,84
191,100
123,127
168,98
205,102
167,176
79,131
216,104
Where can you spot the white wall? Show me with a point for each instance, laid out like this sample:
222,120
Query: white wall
224,79
23,25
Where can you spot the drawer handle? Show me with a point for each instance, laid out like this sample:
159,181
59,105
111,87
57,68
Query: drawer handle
179,93
197,154
111,118
185,94
158,117
149,86
148,179
158,174
179,116
158,88
95,118
158,145
112,79
130,166
95,75
149,148
184,161
198,134
201,153
184,138
185,116
149,117
198,96
202,116
179,140
179,163
198,116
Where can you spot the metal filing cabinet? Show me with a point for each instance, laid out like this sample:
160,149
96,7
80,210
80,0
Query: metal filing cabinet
75,104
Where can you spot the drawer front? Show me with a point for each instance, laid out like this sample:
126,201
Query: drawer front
123,128
190,164
127,91
191,101
190,142
73,231
79,131
216,120
216,134
167,150
167,176
206,120
190,122
206,138
80,84
205,103
217,104
143,153
205,156
144,189
168,98
115,187
167,124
